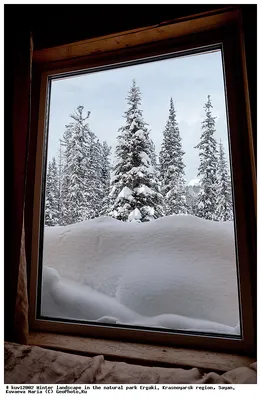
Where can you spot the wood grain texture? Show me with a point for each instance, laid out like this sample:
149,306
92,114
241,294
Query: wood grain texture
134,37
142,354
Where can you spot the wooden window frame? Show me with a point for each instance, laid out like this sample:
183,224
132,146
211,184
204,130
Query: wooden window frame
217,28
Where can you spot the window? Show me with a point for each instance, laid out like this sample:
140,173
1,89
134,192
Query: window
175,303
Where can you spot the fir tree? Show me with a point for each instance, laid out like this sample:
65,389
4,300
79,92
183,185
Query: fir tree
135,192
52,195
93,177
191,199
207,171
82,190
153,155
172,167
78,175
65,213
60,168
105,176
224,209
77,170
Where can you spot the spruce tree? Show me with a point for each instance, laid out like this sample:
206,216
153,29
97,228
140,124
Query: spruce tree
65,214
207,171
77,188
224,209
105,177
94,194
153,155
135,192
82,191
76,195
60,168
52,195
190,200
192,190
48,198
172,173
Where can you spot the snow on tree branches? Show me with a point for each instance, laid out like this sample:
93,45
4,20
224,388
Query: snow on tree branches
135,192
81,179
172,172
207,171
52,195
138,187
224,208
105,176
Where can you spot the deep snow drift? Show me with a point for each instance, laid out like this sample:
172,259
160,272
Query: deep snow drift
177,272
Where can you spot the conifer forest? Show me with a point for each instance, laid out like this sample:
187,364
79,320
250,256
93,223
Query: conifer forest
134,183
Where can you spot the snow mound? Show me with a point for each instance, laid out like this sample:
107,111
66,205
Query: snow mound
68,299
177,265
62,298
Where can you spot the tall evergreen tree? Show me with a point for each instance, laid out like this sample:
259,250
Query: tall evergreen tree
52,195
65,214
207,171
191,198
172,171
153,155
60,167
224,209
135,192
94,177
77,157
80,186
105,177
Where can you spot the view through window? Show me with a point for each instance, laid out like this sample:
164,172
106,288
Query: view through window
138,215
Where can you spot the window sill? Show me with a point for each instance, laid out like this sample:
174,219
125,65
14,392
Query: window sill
142,354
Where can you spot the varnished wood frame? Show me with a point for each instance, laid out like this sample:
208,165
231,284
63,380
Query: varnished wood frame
141,354
224,29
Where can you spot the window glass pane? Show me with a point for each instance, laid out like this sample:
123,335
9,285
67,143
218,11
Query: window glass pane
138,213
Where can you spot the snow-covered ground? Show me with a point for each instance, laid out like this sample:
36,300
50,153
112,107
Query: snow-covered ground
176,272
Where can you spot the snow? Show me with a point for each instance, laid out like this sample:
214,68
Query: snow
68,299
143,189
149,210
145,159
133,125
176,272
126,193
135,215
194,182
140,133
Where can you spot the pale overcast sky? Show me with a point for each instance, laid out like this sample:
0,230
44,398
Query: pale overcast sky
188,80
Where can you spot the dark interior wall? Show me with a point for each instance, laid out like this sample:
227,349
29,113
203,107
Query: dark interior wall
53,25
